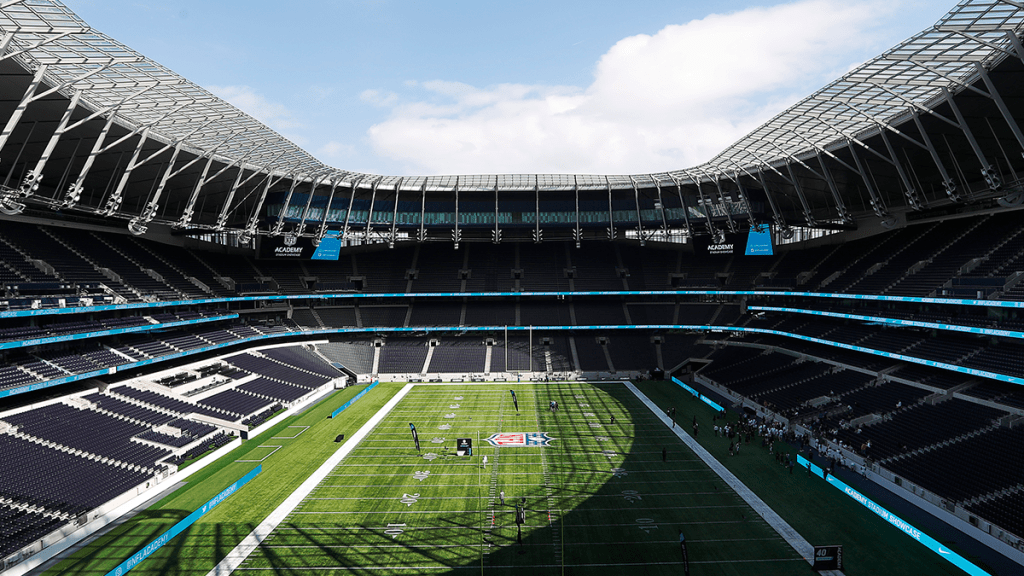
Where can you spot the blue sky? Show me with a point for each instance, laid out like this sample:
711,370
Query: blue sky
457,87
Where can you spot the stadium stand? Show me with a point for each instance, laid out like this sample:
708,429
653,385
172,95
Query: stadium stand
933,384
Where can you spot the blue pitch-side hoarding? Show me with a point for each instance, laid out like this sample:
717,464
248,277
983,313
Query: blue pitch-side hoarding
904,526
699,396
354,398
344,295
182,525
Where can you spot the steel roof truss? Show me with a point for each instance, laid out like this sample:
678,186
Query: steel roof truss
368,229
1001,105
908,187
611,214
12,122
948,183
721,199
225,208
916,105
639,220
254,218
393,236
103,110
682,202
52,143
704,204
990,175
661,205
327,209
309,202
877,204
287,203
189,212
115,198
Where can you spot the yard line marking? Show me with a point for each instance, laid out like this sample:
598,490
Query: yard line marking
297,434
275,449
240,552
791,536
440,567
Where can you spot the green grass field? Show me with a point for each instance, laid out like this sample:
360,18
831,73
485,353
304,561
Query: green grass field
599,499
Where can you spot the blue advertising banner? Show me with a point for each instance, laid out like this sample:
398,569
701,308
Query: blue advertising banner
182,525
354,398
759,242
698,395
903,526
328,249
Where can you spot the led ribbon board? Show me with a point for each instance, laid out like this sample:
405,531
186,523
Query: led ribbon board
905,527
894,321
346,295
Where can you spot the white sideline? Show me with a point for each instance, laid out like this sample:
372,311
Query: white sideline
238,555
801,545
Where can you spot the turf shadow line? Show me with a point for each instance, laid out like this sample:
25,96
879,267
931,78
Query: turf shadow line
238,555
791,536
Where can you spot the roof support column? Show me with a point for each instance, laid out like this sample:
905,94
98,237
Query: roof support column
538,234
287,203
186,216
682,202
456,233
52,143
706,207
423,212
369,213
611,216
1007,116
74,192
114,201
577,233
948,183
877,204
351,202
496,233
661,207
19,111
322,232
639,221
909,191
254,218
393,236
222,217
721,199
309,201
991,178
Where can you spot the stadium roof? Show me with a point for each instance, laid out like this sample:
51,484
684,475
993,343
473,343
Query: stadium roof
872,125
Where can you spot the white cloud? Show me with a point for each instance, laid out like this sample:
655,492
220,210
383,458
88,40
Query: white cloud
663,101
379,97
273,114
334,151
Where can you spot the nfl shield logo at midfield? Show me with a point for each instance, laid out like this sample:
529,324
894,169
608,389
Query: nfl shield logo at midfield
519,439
